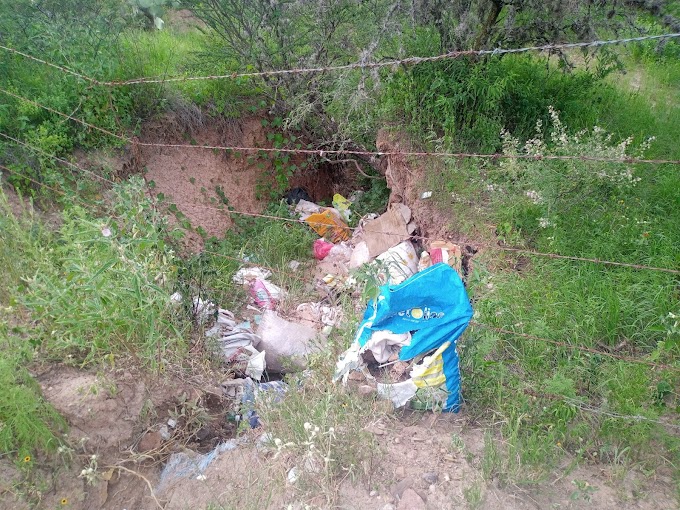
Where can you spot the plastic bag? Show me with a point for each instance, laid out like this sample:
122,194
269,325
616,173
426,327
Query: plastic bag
442,251
342,205
400,263
434,307
322,249
262,297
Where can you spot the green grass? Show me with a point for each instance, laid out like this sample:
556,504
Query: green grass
28,425
272,244
171,53
566,399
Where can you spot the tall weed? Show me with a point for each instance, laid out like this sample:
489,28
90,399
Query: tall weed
104,287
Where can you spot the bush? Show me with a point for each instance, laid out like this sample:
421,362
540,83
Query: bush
556,185
465,103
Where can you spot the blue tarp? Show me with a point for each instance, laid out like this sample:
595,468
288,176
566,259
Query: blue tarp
434,306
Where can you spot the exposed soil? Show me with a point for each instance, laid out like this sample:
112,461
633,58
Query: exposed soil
407,178
203,184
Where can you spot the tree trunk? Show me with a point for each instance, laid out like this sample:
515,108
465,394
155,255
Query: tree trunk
490,20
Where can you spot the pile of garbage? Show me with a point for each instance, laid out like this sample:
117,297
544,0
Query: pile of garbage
405,347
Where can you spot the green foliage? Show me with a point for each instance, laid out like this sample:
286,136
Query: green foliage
20,233
465,103
373,200
27,423
283,164
259,241
615,212
557,187
104,288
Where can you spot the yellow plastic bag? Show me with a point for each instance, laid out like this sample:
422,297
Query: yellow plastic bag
342,205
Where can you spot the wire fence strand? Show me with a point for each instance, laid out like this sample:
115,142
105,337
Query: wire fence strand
491,246
323,152
474,243
56,158
574,402
347,67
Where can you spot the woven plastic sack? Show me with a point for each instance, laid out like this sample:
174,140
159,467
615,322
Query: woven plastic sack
434,307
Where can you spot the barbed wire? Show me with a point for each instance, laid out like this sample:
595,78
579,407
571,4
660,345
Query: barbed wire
579,404
619,416
522,251
346,67
63,69
57,158
322,152
492,246
557,343
475,243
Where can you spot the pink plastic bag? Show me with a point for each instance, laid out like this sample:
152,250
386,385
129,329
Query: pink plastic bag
261,295
322,248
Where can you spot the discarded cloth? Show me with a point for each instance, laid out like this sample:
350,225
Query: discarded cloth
328,225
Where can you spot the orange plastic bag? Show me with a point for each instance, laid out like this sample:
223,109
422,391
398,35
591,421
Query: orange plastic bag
328,225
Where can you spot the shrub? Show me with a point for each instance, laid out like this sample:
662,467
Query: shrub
556,185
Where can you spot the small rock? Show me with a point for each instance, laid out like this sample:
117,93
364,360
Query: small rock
172,423
164,432
410,500
373,494
293,475
447,477
431,477
400,472
150,441
366,390
397,440
388,506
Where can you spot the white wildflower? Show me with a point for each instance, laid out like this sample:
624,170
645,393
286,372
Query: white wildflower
534,196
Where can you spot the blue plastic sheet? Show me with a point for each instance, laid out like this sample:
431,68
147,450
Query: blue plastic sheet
434,307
